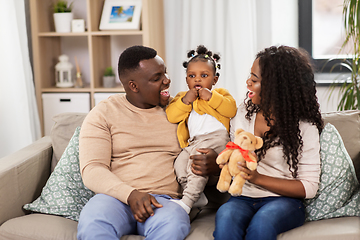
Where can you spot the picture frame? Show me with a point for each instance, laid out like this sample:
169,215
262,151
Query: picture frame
121,15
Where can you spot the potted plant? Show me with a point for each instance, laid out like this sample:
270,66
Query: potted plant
109,78
62,16
349,89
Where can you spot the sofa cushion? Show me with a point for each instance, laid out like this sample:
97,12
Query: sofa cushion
39,227
339,193
64,193
345,228
61,132
348,125
43,227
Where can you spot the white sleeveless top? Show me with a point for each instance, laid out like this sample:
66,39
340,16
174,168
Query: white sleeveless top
203,124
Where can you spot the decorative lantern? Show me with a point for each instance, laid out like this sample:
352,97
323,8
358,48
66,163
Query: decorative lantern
63,76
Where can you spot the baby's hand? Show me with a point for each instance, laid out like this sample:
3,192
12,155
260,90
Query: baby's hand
190,96
205,94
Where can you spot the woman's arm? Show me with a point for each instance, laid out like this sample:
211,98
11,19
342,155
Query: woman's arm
284,187
307,181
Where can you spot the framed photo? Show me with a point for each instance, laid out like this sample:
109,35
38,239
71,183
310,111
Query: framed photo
121,14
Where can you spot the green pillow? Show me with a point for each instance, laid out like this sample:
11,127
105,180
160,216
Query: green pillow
64,193
339,191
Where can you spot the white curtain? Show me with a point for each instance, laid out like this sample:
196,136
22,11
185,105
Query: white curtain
224,26
19,121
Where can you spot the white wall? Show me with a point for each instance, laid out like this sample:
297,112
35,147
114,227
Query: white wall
277,23
328,103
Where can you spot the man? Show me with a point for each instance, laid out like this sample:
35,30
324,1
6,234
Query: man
127,151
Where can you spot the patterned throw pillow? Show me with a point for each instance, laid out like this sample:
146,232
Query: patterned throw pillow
64,193
339,191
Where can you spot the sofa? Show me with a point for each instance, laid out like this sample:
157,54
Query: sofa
24,173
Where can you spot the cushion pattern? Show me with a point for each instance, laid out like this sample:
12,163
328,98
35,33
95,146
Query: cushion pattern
64,193
339,192
347,123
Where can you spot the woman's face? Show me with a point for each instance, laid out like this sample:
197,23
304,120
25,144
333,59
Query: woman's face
254,83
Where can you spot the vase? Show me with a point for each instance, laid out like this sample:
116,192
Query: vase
63,21
108,81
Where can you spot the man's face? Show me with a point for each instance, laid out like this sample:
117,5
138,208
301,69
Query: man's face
152,83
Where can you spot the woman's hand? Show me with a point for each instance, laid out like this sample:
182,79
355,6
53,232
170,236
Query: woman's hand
284,187
247,174
204,164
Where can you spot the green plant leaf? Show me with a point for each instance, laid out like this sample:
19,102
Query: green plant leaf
61,6
349,90
109,71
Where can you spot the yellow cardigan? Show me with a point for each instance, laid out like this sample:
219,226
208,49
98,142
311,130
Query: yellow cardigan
222,106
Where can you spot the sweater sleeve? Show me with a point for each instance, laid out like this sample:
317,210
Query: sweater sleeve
309,164
95,158
178,111
223,102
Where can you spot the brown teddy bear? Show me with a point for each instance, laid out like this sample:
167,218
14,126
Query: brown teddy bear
237,151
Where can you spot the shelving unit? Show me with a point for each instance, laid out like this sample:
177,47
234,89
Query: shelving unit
94,49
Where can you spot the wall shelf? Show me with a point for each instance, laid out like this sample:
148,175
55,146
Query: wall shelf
94,49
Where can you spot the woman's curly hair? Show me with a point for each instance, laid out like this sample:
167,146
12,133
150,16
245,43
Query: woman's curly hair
288,95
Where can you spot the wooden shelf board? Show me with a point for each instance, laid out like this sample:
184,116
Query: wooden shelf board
95,33
114,89
117,32
72,89
70,34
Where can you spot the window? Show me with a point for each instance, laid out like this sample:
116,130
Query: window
321,32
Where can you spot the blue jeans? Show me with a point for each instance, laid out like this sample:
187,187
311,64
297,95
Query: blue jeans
105,218
258,218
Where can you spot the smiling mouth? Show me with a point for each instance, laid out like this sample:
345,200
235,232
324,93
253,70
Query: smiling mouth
165,92
251,94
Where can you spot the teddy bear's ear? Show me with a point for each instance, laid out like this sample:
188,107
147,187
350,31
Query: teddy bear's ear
259,142
239,130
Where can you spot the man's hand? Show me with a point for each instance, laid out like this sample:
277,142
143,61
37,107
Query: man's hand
140,205
204,164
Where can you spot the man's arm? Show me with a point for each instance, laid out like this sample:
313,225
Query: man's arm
95,159
95,148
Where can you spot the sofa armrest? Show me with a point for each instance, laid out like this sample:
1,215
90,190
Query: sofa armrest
23,174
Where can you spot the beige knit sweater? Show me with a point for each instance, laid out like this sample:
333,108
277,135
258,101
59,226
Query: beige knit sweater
123,148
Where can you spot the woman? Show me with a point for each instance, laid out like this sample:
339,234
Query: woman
282,108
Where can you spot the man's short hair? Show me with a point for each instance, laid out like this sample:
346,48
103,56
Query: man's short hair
130,57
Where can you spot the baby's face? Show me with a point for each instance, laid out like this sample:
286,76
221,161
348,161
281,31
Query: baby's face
200,75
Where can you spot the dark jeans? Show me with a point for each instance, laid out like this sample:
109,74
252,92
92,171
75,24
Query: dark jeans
258,218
